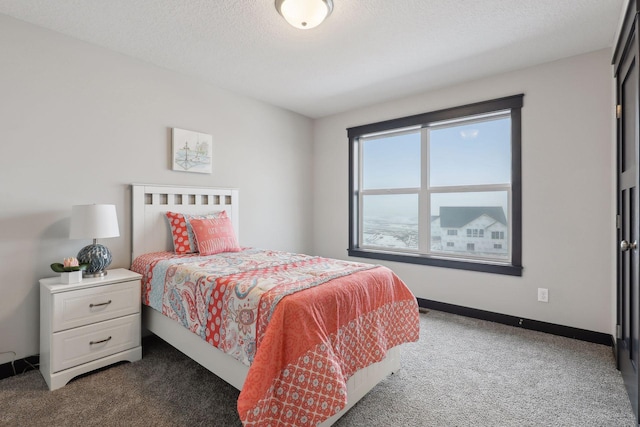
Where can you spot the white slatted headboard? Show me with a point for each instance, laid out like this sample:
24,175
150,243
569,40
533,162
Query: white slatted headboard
149,203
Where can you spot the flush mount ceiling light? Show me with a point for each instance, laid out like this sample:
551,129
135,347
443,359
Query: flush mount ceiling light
304,14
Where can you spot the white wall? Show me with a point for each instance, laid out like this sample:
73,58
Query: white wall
80,123
567,174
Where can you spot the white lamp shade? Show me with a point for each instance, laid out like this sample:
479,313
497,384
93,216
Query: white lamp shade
94,222
304,14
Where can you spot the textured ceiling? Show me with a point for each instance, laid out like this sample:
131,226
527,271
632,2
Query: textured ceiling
367,50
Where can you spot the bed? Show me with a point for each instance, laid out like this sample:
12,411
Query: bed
310,362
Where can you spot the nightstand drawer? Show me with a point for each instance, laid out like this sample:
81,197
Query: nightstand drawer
80,345
85,306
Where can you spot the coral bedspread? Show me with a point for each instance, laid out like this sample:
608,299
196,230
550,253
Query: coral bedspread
302,341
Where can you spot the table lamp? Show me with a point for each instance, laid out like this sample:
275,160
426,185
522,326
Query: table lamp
94,222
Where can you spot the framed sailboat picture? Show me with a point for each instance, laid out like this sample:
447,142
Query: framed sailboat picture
192,151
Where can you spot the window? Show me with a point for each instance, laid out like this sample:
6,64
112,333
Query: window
458,170
475,232
497,246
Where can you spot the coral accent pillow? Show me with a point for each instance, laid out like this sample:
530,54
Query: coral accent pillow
193,242
184,241
215,235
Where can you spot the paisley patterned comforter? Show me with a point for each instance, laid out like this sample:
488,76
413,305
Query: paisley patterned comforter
301,346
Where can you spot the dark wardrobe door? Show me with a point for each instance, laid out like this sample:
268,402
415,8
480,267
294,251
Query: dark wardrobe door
626,74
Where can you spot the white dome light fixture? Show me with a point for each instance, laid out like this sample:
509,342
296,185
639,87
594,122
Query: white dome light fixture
304,14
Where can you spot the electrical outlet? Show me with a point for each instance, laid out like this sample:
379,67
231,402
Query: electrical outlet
543,294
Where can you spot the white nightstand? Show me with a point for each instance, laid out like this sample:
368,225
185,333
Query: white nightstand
88,325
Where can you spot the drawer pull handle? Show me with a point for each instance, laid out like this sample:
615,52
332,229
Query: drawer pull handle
99,342
98,305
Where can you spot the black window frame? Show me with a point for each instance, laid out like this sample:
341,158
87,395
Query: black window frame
514,104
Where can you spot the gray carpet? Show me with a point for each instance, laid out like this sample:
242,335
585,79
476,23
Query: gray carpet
462,372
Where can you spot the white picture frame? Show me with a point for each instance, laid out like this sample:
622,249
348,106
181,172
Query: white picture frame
192,151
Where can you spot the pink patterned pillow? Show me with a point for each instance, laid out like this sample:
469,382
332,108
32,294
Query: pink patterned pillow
184,241
215,235
179,233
